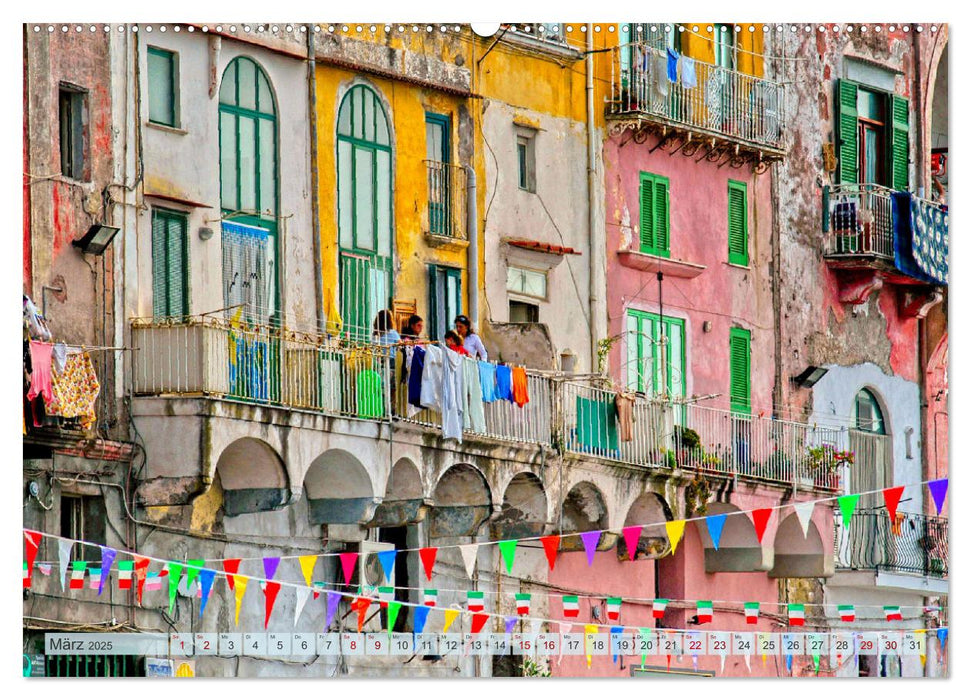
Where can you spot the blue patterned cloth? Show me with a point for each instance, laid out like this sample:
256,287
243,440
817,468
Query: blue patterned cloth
920,238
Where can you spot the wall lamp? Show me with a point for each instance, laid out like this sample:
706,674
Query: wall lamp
809,376
97,239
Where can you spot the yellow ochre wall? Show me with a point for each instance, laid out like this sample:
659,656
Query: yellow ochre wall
700,45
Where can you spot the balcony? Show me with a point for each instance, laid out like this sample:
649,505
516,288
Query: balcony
445,223
731,114
913,544
860,222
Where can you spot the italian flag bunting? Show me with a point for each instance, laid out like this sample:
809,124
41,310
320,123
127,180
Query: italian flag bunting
659,605
385,595
892,612
797,614
752,613
522,603
125,571
26,576
95,579
704,611
476,601
613,608
571,606
77,574
431,597
847,612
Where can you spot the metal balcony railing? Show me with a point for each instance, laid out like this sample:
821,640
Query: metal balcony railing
718,101
912,543
447,214
860,221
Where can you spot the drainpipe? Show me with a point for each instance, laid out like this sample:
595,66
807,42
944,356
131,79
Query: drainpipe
473,250
314,176
597,244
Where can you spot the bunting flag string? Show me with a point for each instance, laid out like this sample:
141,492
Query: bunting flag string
469,553
716,523
427,556
632,536
107,558
551,545
307,564
751,613
31,544
675,530
760,519
508,550
590,542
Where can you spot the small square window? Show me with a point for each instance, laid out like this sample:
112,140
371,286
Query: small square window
163,87
523,312
526,162
73,122
525,281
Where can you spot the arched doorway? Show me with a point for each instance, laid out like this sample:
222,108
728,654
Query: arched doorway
339,490
524,508
252,476
462,502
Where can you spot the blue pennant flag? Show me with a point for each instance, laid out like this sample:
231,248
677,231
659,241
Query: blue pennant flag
613,631
387,563
206,577
715,525
421,615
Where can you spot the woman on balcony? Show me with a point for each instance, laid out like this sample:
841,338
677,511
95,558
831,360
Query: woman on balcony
471,341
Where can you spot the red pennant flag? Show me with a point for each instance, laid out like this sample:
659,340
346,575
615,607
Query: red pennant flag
551,544
478,622
348,560
760,518
428,555
272,588
32,541
231,566
141,569
361,604
892,497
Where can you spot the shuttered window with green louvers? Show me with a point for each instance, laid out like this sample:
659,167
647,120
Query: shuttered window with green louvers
900,143
740,358
893,148
170,269
846,131
655,217
737,223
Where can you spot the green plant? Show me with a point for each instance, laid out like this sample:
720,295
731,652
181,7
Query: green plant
827,459
686,438
603,349
532,669
696,495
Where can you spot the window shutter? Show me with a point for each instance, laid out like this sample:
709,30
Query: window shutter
846,126
159,250
899,143
737,223
662,218
177,270
740,359
647,213
434,294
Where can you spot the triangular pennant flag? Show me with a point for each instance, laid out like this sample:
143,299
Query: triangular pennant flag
564,628
478,622
386,559
64,548
551,544
847,505
302,595
571,606
816,663
192,569
804,512
231,566
348,561
206,577
393,608
427,555
307,564
522,603
421,616
31,544
270,565
511,623
588,632
590,541
361,605
469,553
44,568
632,536
617,630
450,616
175,575
716,523
508,550
751,613
760,518
107,558
789,663
141,571
333,600
891,498
646,633
675,528
271,591
938,489
239,590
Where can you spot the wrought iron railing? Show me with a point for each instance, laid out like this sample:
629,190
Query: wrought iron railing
446,214
860,220
709,98
911,543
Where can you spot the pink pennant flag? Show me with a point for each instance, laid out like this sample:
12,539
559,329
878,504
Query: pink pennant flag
348,562
632,536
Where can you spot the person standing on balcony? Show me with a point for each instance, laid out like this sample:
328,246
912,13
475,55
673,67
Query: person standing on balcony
471,341
454,343
384,332
413,328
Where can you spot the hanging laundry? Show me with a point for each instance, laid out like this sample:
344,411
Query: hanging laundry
520,386
415,372
487,380
659,80
473,412
431,377
370,399
503,382
672,66
75,390
689,77
452,390
624,404
59,357
40,377
596,425
34,323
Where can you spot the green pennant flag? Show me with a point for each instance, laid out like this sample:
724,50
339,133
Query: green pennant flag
175,573
816,663
192,569
508,549
393,607
847,506
645,632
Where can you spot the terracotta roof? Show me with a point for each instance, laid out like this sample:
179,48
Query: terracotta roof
544,247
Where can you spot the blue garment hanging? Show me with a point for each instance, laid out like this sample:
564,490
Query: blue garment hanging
672,65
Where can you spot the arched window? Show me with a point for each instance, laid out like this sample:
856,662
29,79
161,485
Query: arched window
248,188
869,417
364,220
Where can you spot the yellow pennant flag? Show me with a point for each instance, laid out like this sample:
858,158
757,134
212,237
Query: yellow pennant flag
675,529
450,616
588,638
307,564
240,589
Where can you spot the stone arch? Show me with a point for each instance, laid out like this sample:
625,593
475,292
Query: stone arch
798,556
404,500
649,507
738,548
339,489
462,501
253,477
585,508
524,508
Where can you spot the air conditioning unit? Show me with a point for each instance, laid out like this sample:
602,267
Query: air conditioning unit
370,576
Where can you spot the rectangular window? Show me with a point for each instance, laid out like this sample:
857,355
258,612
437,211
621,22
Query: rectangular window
170,269
655,215
72,107
647,370
525,281
438,152
737,223
526,159
872,136
84,518
523,312
740,359
444,299
163,87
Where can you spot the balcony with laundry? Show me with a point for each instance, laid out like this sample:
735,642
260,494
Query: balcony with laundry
661,83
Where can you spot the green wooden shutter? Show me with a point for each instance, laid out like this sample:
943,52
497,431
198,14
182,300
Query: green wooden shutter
159,297
647,213
899,143
170,283
846,137
662,217
740,358
737,223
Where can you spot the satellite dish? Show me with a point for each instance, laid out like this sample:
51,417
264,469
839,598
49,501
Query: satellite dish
485,28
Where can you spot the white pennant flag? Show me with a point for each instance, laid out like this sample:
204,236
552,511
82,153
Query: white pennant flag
804,511
302,595
748,663
63,558
469,552
722,657
564,629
